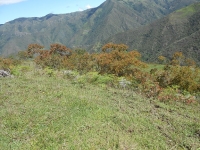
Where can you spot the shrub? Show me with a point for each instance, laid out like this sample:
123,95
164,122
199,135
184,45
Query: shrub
116,60
181,72
162,59
19,70
174,94
95,77
60,50
82,62
70,74
31,50
151,89
186,77
8,63
54,57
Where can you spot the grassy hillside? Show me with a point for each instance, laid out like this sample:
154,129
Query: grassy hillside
44,109
177,32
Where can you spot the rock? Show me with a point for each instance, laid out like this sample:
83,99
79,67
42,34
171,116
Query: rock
4,73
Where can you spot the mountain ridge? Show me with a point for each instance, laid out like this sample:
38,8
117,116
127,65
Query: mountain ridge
178,31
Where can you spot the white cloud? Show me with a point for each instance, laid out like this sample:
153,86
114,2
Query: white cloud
88,6
84,8
7,2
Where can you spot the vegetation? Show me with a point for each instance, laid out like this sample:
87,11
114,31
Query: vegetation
63,98
8,63
180,74
52,109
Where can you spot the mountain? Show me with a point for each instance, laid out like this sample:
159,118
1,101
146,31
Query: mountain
85,29
179,31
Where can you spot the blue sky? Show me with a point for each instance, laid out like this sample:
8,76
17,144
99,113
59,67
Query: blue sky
12,9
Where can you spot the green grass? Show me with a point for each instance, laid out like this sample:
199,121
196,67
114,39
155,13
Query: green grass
41,112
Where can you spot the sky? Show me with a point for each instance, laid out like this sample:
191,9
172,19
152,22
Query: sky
13,9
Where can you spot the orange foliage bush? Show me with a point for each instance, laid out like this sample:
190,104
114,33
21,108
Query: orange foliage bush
6,63
82,62
116,60
33,49
54,57
60,49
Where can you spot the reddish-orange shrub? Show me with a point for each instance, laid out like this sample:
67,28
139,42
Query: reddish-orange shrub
33,49
54,57
60,49
116,60
82,62
7,63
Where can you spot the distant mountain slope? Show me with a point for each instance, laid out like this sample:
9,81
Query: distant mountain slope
84,29
180,31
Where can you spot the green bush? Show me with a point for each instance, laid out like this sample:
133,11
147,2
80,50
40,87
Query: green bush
19,70
95,77
49,71
186,77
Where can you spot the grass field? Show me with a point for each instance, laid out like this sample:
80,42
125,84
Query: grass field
41,112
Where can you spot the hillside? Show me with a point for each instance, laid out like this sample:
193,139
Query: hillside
85,29
180,31
38,111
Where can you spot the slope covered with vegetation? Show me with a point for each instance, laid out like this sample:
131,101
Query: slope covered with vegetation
64,98
177,32
52,109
